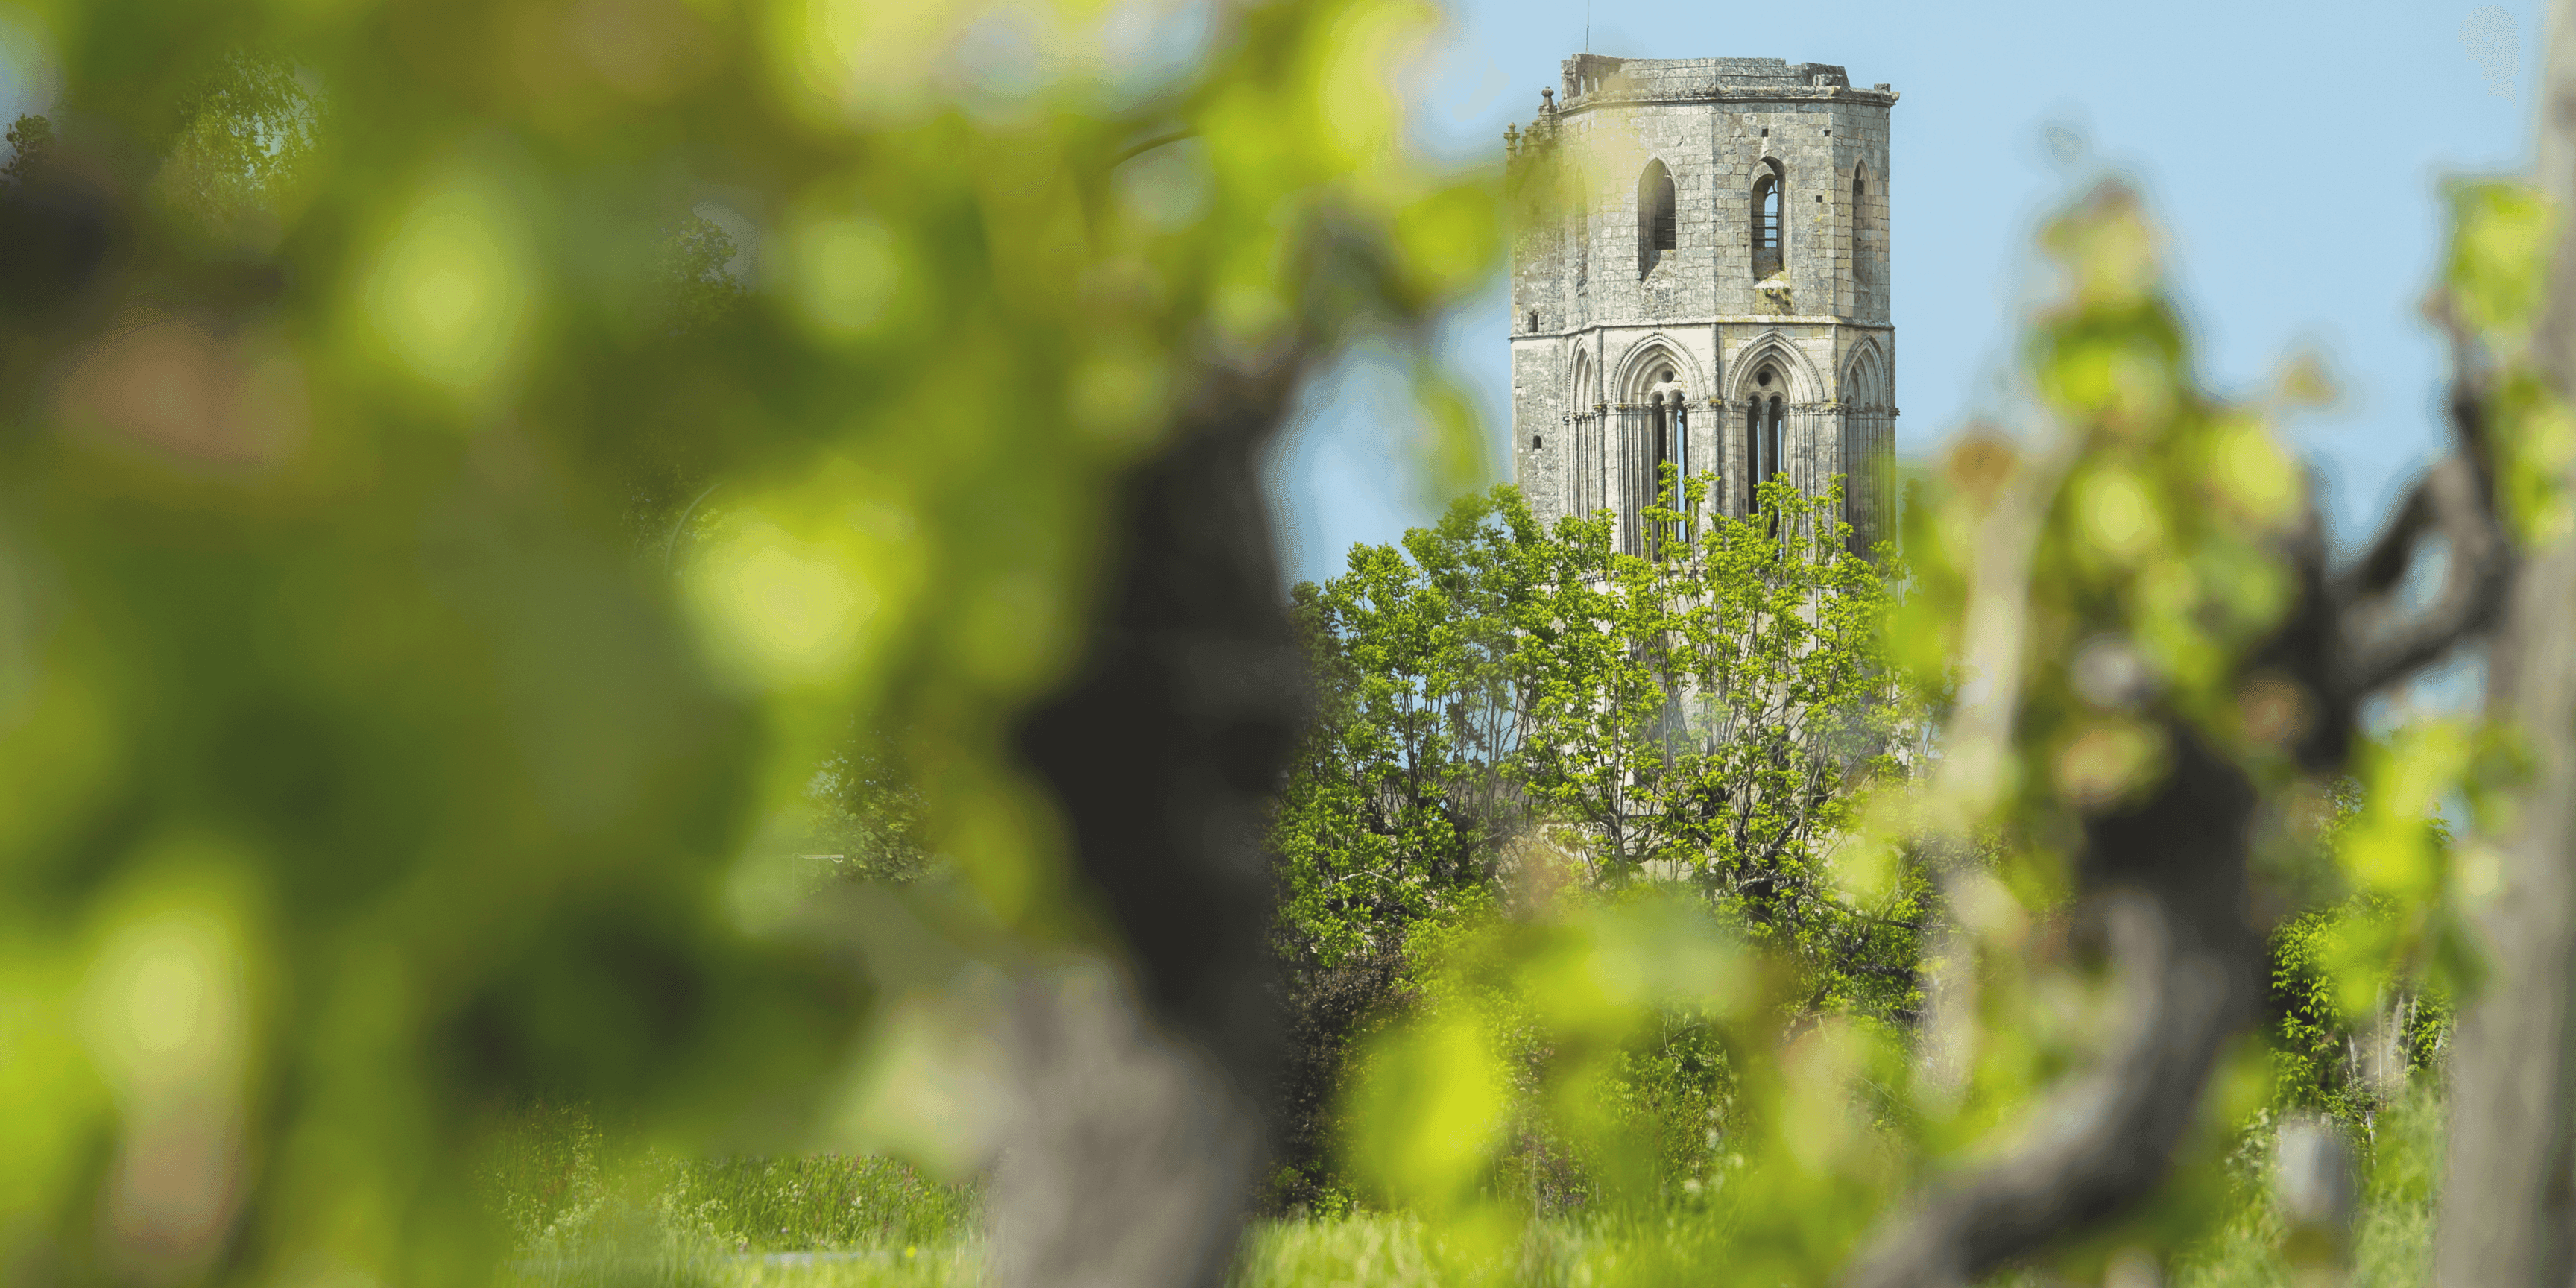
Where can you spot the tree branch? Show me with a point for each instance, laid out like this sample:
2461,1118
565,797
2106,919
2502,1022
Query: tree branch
2378,640
2174,872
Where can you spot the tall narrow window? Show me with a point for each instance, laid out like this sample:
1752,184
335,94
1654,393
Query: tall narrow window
1674,450
1752,457
1660,449
1666,445
1656,230
1860,226
1777,466
1764,439
1776,441
1767,216
1658,445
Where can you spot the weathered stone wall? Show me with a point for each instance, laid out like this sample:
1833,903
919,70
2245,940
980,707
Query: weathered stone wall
1599,316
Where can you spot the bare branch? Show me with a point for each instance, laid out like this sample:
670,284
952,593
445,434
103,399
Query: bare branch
2377,639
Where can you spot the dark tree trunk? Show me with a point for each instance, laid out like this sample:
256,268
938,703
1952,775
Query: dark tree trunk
1141,1136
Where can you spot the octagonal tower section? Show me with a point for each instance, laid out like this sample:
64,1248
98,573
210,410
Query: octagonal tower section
1700,278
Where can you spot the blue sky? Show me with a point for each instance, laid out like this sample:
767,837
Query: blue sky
2294,152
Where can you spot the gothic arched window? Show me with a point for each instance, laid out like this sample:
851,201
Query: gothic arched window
1656,229
1769,213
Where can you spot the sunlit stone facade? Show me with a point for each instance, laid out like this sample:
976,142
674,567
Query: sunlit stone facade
1700,277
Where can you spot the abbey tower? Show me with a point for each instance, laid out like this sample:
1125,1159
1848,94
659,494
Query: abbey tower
1701,277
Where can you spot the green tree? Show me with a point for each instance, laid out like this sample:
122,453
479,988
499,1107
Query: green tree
30,137
240,141
1497,695
1716,710
1399,804
1514,718
870,816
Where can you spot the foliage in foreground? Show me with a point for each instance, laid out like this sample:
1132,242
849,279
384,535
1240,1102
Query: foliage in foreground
2119,575
360,775
1512,715
370,761
2352,1026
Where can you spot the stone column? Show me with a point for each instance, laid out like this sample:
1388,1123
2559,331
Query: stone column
1834,429
1708,456
1578,472
1598,475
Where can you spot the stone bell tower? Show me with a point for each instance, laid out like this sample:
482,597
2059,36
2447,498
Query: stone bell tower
1700,277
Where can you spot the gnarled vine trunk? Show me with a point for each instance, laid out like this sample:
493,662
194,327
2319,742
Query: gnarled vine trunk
2509,1190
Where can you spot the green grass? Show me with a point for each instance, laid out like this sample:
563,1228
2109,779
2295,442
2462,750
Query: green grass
2392,1229
957,1265
583,1218
1352,1251
661,1222
823,1202
1387,1251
